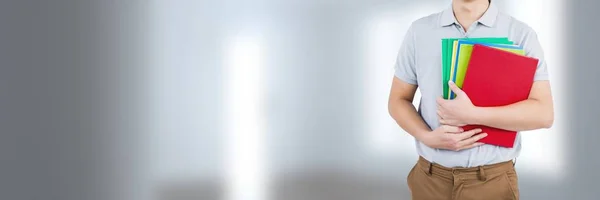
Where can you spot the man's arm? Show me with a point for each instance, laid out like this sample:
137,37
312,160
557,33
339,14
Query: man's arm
533,113
404,113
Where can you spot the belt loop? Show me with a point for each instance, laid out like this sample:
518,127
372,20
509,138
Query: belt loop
430,169
482,176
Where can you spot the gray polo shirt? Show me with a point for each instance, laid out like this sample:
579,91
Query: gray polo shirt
419,63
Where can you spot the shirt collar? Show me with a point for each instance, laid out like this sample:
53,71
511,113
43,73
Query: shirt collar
490,15
488,19
447,18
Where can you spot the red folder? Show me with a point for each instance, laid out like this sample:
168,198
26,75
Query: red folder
497,78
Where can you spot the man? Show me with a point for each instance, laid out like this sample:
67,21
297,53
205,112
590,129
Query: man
452,164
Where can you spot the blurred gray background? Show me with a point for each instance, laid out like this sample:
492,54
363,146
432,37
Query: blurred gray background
251,99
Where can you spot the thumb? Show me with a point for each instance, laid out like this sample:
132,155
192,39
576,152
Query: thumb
455,88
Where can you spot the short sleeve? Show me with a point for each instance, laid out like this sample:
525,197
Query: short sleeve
405,61
533,49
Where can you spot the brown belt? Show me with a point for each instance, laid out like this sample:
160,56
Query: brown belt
480,172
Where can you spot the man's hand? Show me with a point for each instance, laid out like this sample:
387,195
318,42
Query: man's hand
452,138
456,112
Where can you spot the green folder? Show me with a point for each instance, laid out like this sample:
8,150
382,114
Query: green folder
447,47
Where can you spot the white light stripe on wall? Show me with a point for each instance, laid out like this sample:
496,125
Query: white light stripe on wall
384,34
244,123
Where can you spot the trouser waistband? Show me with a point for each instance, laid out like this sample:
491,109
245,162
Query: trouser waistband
480,171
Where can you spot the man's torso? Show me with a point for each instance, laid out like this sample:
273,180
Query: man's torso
428,32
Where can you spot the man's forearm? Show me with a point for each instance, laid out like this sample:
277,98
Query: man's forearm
407,117
529,114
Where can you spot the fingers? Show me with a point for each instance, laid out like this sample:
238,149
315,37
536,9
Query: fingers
440,113
467,134
442,121
451,129
462,140
470,141
440,100
455,88
440,103
467,140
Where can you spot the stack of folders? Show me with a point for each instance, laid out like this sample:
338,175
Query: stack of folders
492,72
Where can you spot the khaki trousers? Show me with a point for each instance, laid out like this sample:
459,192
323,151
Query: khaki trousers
428,181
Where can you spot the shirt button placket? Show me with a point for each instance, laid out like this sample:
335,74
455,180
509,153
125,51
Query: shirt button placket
460,29
471,29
